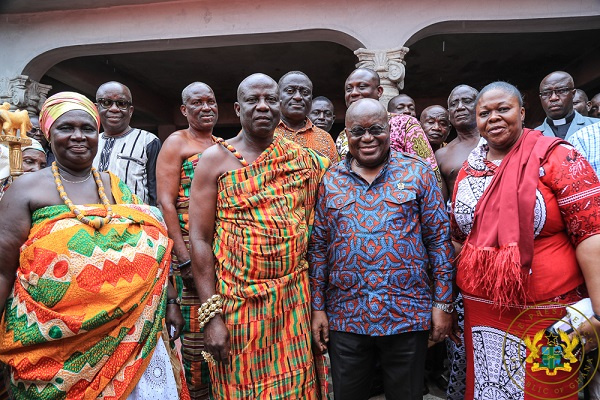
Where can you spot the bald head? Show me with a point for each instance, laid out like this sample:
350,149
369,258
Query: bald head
257,105
253,80
556,94
555,76
368,133
365,108
114,86
115,106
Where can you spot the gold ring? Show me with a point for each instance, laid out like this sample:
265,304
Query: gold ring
208,357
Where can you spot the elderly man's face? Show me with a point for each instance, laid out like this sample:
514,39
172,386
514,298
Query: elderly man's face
200,109
556,96
368,138
258,107
114,107
436,125
461,107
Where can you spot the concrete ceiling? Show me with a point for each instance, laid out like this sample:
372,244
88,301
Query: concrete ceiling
434,66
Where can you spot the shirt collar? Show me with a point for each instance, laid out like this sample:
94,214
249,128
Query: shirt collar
308,126
390,159
562,121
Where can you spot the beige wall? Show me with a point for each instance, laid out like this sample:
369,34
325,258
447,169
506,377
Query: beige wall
31,43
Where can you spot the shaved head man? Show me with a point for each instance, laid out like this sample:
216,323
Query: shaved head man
436,125
402,104
127,152
253,200
557,90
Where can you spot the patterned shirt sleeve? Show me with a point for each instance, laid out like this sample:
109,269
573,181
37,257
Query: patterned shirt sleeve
406,135
436,237
577,189
317,253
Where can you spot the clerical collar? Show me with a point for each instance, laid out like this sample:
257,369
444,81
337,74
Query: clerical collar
562,121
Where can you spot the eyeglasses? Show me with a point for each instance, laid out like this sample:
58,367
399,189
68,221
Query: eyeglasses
35,130
546,94
108,103
374,130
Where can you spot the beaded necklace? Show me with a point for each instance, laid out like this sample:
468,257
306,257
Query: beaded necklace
95,223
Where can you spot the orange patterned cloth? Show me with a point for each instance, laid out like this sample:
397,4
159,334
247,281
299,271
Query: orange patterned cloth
260,244
87,306
311,137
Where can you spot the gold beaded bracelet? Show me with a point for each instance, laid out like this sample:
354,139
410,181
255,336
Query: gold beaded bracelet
209,309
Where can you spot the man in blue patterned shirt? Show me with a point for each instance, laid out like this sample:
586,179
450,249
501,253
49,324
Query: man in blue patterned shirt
380,228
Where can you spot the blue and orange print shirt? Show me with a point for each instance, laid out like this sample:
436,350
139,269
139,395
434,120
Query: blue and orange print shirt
374,246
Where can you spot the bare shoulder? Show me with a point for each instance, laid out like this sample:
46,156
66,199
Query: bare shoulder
175,140
215,161
35,189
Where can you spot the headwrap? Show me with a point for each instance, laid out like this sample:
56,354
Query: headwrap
62,102
35,145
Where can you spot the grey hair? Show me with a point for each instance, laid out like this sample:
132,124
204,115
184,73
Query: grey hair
185,93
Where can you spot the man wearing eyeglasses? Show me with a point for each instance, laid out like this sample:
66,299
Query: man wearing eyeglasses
127,152
556,95
380,226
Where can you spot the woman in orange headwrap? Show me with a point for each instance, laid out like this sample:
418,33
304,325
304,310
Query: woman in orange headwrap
83,279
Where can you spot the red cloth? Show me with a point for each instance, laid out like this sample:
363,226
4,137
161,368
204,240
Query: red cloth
497,367
498,252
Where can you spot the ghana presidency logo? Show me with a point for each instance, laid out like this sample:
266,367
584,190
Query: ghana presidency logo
555,355
543,351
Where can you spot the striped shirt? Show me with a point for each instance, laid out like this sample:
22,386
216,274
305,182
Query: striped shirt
132,157
587,142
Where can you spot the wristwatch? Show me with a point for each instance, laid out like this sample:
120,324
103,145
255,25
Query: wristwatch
445,307
176,300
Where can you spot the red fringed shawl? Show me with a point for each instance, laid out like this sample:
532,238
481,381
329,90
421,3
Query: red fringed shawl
497,254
